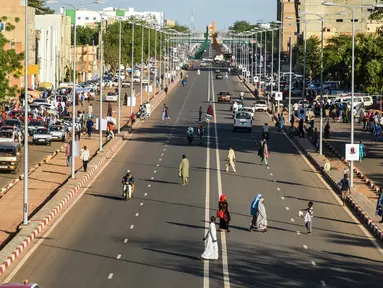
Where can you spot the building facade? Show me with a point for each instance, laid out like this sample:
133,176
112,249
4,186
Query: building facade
87,62
54,47
287,14
85,17
14,10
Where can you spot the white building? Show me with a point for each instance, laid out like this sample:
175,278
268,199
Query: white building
54,47
84,16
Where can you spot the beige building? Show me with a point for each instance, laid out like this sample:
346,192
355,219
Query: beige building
54,47
14,10
287,9
169,23
87,62
334,23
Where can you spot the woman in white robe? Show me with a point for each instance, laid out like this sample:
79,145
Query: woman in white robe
261,217
211,248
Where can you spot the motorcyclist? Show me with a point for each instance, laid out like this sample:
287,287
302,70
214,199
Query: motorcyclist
235,107
198,72
128,179
265,131
190,134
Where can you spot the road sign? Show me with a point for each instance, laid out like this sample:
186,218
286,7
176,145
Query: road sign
352,152
247,73
244,69
240,66
302,113
255,79
278,96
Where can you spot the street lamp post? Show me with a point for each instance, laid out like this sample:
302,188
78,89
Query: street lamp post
132,72
148,86
352,9
155,61
25,194
142,61
119,81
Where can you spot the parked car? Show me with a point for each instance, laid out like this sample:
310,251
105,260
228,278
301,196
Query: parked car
111,97
57,132
42,136
243,121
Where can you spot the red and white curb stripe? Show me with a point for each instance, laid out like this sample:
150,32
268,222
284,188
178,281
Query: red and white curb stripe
11,258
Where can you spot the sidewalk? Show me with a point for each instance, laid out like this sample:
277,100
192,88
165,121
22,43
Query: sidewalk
362,200
47,179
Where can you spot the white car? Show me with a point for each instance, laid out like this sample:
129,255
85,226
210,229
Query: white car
243,121
42,136
136,79
57,132
125,84
111,97
145,81
260,105
248,110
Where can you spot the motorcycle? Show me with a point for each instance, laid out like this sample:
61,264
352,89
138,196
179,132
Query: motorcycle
127,191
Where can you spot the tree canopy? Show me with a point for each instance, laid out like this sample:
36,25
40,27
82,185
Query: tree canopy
86,35
180,28
10,64
40,6
241,26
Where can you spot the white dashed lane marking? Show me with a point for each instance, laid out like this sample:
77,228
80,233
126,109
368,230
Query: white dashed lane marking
292,220
283,198
287,208
141,204
146,194
298,232
305,246
126,241
313,262
131,226
149,185
271,174
151,178
158,165
278,189
119,256
322,283
137,214
160,159
155,171
110,276
162,154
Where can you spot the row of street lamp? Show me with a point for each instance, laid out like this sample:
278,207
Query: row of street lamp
167,33
320,17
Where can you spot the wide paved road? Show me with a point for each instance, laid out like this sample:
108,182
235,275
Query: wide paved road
155,239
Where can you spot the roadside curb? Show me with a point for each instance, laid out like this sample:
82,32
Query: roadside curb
334,184
359,173
75,188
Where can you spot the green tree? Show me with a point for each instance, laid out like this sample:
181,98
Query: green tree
86,35
313,59
40,6
10,65
241,26
180,28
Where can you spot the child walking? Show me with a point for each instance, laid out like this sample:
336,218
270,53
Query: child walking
308,216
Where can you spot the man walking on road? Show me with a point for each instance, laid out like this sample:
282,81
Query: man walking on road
200,114
183,170
345,187
230,159
68,153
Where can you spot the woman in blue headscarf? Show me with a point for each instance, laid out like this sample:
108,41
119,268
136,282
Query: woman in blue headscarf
253,211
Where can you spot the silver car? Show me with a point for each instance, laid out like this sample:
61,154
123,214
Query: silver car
42,136
57,132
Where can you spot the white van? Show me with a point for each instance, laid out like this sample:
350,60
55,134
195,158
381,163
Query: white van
367,101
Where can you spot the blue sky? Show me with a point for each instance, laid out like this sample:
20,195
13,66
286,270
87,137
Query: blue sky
223,12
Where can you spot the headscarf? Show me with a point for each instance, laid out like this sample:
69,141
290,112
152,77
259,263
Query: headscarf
254,204
222,198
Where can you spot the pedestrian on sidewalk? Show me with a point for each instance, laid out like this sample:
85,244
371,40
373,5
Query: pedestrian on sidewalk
300,129
263,152
345,187
68,153
230,159
362,151
183,170
200,113
292,120
126,99
85,156
379,205
90,111
377,132
211,248
110,110
89,126
223,214
308,215
110,130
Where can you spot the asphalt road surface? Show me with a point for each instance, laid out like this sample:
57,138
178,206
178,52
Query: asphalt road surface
155,239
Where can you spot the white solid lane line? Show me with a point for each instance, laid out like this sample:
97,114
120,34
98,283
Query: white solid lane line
110,276
206,280
225,266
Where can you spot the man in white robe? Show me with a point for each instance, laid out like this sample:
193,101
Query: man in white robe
211,248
